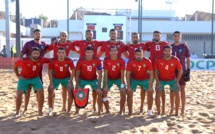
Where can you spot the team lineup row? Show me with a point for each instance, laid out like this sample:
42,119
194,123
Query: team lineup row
139,70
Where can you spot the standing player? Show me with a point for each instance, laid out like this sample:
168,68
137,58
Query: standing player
183,53
29,75
132,47
68,47
114,74
27,49
86,75
165,68
82,44
113,42
139,71
59,73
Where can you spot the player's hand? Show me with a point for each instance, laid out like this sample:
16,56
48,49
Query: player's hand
129,89
70,86
79,89
99,91
55,41
21,77
123,90
105,89
150,89
51,87
158,86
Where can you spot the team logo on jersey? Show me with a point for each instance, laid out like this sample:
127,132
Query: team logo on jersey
118,46
42,47
93,44
118,64
180,50
38,64
140,47
144,65
94,64
65,65
67,47
171,64
89,45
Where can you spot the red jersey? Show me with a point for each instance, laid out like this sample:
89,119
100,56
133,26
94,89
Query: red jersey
31,69
114,67
88,68
61,69
139,69
156,50
107,44
82,44
132,47
167,68
68,47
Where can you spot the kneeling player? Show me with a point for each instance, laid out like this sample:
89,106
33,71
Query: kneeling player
165,68
114,74
139,71
59,73
29,75
86,75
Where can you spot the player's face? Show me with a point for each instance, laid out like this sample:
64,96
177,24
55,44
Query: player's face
61,54
89,36
37,35
167,52
35,55
135,38
113,52
157,37
177,37
63,36
138,56
89,53
113,35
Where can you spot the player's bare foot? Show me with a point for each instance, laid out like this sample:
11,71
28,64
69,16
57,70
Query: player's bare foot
130,113
63,110
40,113
163,113
141,109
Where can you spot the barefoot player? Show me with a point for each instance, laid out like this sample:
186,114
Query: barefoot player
139,71
183,54
165,68
29,75
61,71
86,70
114,74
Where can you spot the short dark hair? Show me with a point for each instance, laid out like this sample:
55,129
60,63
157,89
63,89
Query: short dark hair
89,31
157,31
134,33
177,32
4,46
113,47
138,50
35,49
89,48
113,30
37,30
61,48
167,46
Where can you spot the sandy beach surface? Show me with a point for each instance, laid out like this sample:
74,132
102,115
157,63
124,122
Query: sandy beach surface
200,112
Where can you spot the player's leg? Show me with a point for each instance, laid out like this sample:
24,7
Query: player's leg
172,98
157,97
19,94
94,86
163,98
27,98
142,96
183,99
130,101
175,90
64,96
106,102
94,95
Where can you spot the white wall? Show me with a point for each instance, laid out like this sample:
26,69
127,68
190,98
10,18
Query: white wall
12,27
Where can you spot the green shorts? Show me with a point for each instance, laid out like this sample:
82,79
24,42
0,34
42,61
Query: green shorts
64,82
113,82
34,82
143,83
170,83
92,83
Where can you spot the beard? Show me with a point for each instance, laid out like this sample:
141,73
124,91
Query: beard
37,38
135,42
156,40
138,59
35,58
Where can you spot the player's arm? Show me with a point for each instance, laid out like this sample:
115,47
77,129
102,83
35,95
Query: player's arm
151,78
125,54
122,78
156,76
50,74
102,50
188,62
105,79
21,56
24,51
100,53
128,75
77,74
99,71
179,75
16,71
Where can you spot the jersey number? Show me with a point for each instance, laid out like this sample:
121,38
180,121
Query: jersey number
167,67
113,68
157,47
61,69
139,67
89,68
34,68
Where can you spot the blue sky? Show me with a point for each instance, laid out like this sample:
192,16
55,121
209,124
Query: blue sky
56,9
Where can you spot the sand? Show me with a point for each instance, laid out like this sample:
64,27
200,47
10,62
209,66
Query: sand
200,112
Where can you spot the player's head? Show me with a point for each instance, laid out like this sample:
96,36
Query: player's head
138,54
61,52
113,51
37,34
167,50
135,37
89,51
4,46
63,36
35,53
157,35
113,34
176,36
89,35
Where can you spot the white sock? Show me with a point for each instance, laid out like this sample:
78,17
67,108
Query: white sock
149,112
